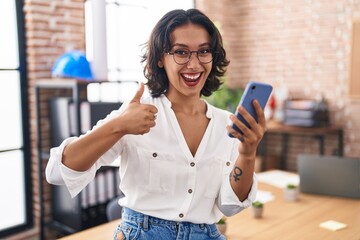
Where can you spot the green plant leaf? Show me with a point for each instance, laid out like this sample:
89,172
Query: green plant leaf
257,204
225,98
222,221
291,186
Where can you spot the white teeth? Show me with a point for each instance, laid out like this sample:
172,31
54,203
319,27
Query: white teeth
192,76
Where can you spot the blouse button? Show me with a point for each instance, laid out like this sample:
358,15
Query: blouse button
192,164
181,215
227,163
154,155
190,191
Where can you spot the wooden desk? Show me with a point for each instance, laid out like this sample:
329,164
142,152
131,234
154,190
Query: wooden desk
281,220
102,232
285,131
297,220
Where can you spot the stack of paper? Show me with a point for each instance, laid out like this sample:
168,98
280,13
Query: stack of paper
278,178
332,225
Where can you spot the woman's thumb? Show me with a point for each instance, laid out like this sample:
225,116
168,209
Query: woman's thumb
138,93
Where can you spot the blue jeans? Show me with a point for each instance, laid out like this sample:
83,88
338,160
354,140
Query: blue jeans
135,225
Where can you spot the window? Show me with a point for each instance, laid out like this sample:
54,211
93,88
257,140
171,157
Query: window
15,179
128,26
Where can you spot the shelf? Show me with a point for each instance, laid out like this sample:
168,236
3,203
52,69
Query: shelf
72,214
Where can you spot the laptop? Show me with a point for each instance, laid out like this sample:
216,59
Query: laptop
329,175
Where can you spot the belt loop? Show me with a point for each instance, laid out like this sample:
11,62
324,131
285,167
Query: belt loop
146,222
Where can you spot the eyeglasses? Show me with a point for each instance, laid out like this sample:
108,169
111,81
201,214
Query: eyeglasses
182,57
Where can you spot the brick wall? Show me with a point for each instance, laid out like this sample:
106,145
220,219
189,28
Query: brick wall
302,48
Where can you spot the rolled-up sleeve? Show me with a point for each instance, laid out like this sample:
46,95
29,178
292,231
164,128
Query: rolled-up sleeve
58,174
52,171
230,204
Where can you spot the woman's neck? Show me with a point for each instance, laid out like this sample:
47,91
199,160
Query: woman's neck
187,105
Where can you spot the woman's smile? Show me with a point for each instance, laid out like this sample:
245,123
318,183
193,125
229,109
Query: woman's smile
191,79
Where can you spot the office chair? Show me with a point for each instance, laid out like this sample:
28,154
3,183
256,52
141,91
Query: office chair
113,209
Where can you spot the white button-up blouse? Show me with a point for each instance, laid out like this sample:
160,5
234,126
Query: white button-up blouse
159,175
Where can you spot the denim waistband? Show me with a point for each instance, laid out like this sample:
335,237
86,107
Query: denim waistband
132,215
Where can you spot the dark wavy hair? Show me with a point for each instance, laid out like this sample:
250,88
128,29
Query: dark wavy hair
160,43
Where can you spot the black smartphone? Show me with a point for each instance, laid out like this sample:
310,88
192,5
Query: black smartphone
254,90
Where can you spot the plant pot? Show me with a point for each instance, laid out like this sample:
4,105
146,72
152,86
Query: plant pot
291,194
221,228
257,212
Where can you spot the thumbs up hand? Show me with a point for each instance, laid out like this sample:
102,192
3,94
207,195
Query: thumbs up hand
138,93
138,118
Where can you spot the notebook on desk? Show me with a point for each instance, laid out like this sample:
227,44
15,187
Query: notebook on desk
329,175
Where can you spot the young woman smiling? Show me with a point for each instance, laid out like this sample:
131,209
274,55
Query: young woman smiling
179,170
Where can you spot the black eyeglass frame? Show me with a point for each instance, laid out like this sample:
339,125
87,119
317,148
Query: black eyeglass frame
189,58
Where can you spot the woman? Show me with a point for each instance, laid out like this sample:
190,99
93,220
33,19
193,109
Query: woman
179,170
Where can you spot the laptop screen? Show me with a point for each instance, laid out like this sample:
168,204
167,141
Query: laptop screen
329,175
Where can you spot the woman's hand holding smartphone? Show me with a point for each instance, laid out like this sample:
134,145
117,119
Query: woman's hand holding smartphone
254,90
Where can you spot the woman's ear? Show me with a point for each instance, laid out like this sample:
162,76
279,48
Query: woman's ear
160,64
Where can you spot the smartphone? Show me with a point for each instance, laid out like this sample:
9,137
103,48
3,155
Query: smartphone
254,90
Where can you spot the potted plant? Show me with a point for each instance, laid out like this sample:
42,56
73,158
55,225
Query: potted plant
257,209
291,192
221,225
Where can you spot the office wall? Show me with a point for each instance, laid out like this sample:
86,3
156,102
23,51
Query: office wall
302,48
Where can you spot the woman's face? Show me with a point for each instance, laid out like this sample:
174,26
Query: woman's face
187,79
